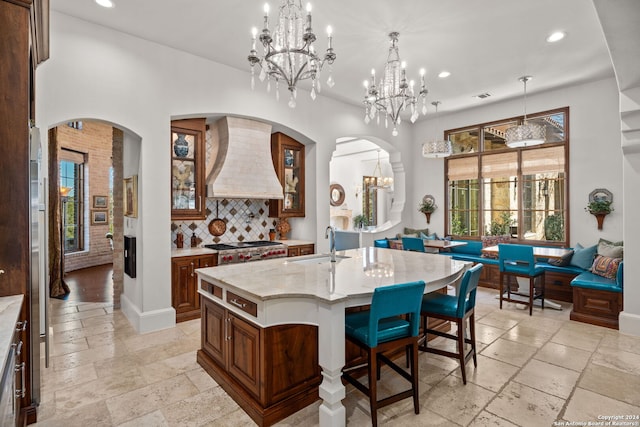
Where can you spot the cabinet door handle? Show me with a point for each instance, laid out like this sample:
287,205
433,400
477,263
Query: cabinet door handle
237,303
21,326
192,269
22,391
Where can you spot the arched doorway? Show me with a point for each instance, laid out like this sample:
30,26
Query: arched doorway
373,179
87,160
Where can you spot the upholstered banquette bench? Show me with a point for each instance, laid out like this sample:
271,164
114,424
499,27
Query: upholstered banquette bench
557,278
597,299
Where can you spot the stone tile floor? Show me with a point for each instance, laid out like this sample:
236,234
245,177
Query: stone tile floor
543,370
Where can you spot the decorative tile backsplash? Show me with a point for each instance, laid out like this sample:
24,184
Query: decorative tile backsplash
246,220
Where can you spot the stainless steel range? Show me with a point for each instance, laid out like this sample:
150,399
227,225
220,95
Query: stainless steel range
236,252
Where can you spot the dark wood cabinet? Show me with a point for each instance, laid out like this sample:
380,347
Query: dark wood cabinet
271,372
187,169
288,159
299,250
184,285
24,43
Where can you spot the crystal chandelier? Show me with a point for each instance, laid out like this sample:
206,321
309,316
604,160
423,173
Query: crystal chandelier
526,134
289,54
378,181
393,94
436,148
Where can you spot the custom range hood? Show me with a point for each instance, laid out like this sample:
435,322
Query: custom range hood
239,164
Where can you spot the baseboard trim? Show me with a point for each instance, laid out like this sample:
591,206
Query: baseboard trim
147,321
629,323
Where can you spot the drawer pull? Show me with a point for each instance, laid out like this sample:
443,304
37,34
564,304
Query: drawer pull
18,348
21,326
237,303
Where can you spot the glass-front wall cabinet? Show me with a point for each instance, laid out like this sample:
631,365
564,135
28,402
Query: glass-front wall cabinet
288,160
496,190
187,182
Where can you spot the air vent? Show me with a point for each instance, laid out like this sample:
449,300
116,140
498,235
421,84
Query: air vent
482,95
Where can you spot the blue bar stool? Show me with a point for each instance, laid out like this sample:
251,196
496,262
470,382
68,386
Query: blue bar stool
412,244
380,329
458,309
518,261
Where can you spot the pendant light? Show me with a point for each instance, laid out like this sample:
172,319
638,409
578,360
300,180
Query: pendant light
438,147
526,134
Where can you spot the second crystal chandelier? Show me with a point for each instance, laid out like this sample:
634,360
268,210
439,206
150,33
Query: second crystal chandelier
392,93
289,54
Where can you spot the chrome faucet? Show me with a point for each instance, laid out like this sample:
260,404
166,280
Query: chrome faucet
331,231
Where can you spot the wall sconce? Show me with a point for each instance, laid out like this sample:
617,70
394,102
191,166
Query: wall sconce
357,189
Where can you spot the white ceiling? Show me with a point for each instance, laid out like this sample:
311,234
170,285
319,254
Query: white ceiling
486,45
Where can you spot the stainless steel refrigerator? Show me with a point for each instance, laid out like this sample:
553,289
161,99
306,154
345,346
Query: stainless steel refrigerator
39,295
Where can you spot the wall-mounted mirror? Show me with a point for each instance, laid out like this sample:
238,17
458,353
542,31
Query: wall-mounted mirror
336,195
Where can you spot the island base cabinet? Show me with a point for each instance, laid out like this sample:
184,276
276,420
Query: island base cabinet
270,372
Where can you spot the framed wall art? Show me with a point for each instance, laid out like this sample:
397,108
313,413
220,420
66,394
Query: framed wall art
100,202
130,205
99,217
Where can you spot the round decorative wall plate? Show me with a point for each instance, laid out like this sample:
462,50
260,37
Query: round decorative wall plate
336,194
429,198
600,195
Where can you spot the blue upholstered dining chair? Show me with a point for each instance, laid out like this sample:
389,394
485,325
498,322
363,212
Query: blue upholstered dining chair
458,308
412,244
392,322
518,261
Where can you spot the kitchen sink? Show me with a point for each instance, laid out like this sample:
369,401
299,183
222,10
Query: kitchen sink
319,259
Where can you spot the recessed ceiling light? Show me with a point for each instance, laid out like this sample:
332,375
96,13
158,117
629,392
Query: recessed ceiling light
444,74
556,36
482,95
105,3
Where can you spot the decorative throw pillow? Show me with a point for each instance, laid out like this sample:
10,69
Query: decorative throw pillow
610,249
415,232
583,257
605,266
395,244
433,236
493,241
563,261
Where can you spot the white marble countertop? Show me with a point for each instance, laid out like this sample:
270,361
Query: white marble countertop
191,252
293,242
9,313
206,251
357,275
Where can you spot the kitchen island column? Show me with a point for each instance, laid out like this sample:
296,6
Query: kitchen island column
331,341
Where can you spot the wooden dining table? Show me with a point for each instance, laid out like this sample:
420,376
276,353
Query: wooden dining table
538,252
442,244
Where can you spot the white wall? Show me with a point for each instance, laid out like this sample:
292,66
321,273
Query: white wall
595,153
140,86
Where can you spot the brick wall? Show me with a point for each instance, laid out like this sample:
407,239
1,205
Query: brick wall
95,140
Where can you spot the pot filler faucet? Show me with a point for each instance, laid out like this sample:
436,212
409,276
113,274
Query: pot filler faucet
331,231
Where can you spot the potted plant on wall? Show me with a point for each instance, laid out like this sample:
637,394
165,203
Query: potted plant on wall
600,209
427,206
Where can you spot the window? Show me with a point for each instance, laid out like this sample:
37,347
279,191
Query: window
75,125
72,200
370,200
493,189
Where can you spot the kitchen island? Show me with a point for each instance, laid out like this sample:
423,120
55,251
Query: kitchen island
266,326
